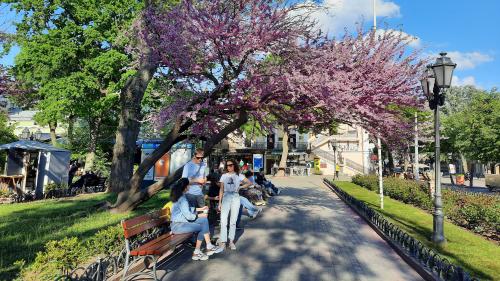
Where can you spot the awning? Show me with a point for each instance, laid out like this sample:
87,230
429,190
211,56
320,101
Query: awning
31,146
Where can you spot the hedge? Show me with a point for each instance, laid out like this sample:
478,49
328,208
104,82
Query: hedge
62,256
477,212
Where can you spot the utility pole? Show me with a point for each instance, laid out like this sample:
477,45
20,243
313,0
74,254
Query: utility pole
379,148
415,169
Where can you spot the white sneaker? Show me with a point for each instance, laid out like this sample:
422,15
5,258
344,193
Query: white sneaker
232,246
199,256
214,250
279,191
259,210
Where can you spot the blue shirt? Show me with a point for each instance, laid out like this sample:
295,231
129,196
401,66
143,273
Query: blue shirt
194,171
180,211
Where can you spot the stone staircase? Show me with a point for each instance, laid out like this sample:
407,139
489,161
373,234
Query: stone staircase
354,167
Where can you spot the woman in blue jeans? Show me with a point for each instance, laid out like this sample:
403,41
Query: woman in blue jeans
185,220
229,201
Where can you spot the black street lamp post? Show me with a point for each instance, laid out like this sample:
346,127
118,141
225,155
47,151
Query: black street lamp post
333,144
25,134
38,135
438,78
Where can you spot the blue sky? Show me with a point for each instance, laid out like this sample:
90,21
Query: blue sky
468,30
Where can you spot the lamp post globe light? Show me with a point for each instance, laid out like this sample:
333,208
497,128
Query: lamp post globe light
438,78
25,134
38,135
333,144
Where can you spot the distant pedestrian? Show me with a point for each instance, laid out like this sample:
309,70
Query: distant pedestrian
73,168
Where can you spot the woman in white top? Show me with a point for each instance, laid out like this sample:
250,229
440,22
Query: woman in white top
229,201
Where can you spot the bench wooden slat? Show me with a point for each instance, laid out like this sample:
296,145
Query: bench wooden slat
143,227
134,226
153,243
163,246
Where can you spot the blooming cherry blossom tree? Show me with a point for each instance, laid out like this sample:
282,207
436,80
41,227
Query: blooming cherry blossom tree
237,58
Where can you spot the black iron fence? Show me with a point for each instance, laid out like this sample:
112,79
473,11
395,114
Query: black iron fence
437,267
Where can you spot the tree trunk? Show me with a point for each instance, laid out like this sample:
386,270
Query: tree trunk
71,129
173,137
465,167
128,200
53,137
95,125
407,160
471,177
128,126
284,153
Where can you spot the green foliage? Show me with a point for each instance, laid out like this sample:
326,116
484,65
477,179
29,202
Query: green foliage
55,186
479,213
58,256
6,130
102,164
106,241
472,123
64,255
26,228
4,193
74,61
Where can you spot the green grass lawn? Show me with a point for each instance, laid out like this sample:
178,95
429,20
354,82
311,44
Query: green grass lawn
478,256
26,227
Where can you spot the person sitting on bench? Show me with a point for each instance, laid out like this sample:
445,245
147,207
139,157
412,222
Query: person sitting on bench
185,219
252,193
260,178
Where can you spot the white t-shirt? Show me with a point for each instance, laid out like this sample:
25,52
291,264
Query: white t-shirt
231,181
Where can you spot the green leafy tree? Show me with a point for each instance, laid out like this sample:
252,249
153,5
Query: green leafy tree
6,130
473,127
73,58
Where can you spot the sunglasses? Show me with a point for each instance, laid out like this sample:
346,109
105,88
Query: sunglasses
199,158
229,165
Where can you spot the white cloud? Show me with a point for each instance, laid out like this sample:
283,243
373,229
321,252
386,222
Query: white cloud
416,42
341,14
468,80
469,60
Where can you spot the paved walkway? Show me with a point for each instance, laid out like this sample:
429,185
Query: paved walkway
306,233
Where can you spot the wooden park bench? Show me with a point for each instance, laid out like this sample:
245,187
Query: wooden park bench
96,185
163,245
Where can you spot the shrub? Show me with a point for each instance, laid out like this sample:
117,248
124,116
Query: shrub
63,256
55,186
479,213
106,241
59,256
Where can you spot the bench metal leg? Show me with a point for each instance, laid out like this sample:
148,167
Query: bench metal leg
127,265
154,259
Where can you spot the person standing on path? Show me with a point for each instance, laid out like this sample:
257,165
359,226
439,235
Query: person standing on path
194,171
229,201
